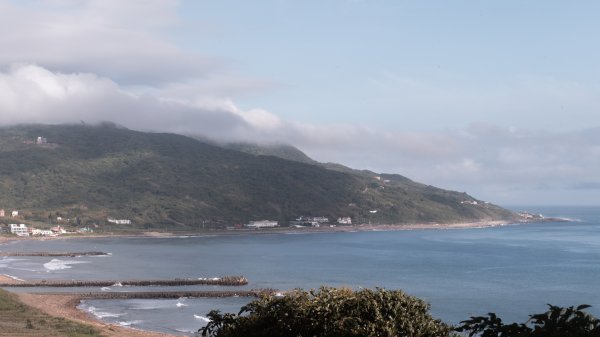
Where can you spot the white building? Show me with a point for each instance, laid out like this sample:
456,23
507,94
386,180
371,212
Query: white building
262,224
58,230
20,230
15,213
344,220
41,140
311,219
119,221
42,232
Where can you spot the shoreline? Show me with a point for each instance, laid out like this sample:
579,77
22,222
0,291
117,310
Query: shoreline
65,306
290,230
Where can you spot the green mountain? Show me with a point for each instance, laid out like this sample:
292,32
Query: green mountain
161,180
282,151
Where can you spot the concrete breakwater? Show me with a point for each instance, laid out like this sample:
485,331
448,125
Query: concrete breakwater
168,294
220,281
53,254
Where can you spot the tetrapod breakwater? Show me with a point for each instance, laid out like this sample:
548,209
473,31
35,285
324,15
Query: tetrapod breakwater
168,294
53,254
219,281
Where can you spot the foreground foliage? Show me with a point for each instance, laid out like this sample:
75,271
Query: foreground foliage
556,322
330,312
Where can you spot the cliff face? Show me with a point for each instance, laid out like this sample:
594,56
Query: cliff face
165,180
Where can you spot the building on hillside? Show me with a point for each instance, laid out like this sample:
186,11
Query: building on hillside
262,224
58,230
41,140
14,213
42,232
311,219
344,220
20,230
2,213
119,221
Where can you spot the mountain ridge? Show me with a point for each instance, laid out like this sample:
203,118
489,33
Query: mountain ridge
167,181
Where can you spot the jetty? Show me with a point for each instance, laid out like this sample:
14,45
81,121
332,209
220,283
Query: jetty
218,281
166,294
53,254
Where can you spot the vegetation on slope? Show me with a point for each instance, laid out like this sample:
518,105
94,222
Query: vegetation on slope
17,319
164,180
286,152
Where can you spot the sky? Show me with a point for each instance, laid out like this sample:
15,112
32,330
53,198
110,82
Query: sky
498,99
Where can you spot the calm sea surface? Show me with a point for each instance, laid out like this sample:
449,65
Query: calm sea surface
511,270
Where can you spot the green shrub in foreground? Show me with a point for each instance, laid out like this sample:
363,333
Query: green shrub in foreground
556,322
330,312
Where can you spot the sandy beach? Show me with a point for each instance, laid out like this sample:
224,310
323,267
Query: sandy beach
6,279
66,306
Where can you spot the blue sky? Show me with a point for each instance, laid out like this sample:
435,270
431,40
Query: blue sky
499,99
321,53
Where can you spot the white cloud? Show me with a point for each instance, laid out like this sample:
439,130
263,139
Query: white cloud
105,60
486,160
122,40
450,100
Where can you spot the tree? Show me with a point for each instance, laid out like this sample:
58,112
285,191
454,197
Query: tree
330,312
556,322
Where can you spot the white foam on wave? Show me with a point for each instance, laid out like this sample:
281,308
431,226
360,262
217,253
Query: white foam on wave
179,305
202,318
56,264
13,277
569,219
105,289
118,284
128,323
185,330
103,255
6,261
102,314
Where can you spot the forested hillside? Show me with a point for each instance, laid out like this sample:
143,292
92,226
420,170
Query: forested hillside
162,180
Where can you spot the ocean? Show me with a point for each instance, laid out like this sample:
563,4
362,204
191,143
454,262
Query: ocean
513,270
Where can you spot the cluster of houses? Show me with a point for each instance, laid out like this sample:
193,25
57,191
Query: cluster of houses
530,216
23,230
119,221
301,222
13,214
474,202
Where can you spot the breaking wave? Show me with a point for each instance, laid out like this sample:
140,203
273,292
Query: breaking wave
102,314
129,323
56,264
202,318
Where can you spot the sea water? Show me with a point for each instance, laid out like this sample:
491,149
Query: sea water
511,270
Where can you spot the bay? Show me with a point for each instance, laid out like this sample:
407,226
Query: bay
511,270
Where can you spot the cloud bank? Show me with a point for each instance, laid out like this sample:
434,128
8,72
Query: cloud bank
63,61
121,40
482,159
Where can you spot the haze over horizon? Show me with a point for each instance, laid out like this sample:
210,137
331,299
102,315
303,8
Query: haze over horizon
500,100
